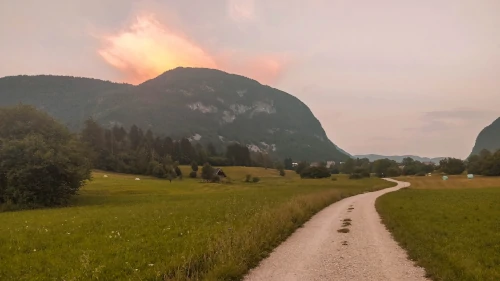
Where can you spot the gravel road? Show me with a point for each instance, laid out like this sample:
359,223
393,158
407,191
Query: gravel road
318,252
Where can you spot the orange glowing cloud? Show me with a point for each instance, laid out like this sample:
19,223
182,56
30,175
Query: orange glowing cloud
148,48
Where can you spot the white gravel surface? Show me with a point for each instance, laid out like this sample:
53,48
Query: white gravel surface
318,252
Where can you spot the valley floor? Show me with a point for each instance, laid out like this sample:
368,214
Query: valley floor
122,229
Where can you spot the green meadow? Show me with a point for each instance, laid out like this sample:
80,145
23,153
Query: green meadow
118,228
451,228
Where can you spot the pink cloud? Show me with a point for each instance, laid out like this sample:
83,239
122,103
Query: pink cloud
148,48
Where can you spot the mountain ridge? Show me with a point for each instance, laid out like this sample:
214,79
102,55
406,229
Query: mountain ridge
206,105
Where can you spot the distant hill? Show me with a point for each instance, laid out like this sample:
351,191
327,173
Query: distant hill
399,158
205,105
488,138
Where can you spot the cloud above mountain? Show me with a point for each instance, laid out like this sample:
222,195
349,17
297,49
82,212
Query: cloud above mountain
147,48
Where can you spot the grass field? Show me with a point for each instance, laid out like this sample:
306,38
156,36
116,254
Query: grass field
122,229
451,228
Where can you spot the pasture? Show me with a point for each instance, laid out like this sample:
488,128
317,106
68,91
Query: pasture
122,229
451,228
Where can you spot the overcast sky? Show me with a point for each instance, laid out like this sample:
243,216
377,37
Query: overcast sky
386,76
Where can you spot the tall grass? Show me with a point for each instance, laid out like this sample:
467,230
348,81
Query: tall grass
122,229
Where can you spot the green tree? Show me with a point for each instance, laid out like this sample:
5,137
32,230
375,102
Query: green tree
211,149
348,166
301,166
207,172
386,168
194,166
41,163
452,166
288,163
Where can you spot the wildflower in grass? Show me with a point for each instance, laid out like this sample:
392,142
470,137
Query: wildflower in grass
136,269
69,233
150,264
34,250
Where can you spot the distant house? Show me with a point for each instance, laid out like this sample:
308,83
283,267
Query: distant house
330,163
219,172
294,164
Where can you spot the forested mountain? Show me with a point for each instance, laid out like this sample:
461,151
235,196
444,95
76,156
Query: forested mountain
399,158
204,105
488,138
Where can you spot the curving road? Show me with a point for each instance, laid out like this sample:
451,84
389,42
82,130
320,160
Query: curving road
318,252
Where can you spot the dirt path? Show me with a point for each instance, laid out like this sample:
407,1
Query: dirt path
318,252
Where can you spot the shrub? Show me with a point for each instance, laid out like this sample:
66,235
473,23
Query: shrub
421,174
248,178
334,179
193,174
365,174
256,179
355,176
282,172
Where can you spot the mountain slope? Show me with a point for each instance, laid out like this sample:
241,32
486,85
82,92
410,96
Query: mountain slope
399,158
488,138
204,104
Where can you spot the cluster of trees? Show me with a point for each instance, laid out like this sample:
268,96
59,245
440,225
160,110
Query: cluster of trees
139,152
486,163
452,166
312,172
41,162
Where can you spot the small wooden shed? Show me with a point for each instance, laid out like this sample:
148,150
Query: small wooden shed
219,172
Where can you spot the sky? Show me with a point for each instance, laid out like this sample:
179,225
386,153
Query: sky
388,77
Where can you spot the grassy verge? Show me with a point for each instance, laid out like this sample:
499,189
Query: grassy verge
453,232
122,229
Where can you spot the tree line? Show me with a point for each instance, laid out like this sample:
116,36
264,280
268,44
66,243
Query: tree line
137,152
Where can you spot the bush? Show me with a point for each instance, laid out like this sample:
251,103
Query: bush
355,176
248,178
255,179
334,179
193,174
421,174
365,174
315,173
282,172
41,163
